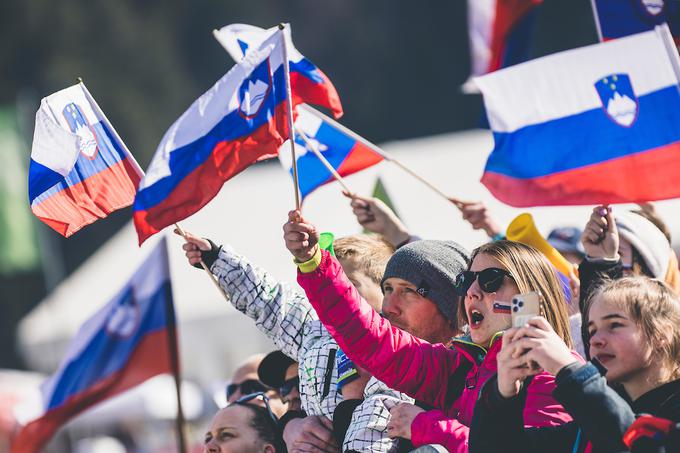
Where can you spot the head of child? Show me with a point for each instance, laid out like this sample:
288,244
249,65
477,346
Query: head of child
419,289
498,271
363,259
633,331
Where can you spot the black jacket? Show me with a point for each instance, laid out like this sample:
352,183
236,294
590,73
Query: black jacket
601,416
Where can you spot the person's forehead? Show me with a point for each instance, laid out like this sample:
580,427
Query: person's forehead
396,281
244,374
233,416
602,307
483,261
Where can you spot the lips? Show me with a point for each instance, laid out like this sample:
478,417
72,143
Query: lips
476,317
604,357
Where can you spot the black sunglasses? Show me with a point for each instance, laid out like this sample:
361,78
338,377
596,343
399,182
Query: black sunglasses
288,386
249,386
244,400
490,280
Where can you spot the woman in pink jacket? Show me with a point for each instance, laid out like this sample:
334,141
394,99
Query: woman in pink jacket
448,379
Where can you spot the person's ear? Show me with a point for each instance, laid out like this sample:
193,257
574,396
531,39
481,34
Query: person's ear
269,448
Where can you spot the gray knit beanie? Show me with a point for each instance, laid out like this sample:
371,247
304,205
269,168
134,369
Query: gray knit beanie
432,266
647,239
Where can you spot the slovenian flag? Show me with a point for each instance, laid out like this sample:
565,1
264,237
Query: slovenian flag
131,339
80,170
616,18
499,33
346,152
599,124
309,84
239,121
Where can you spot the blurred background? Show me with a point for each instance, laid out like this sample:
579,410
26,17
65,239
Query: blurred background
396,64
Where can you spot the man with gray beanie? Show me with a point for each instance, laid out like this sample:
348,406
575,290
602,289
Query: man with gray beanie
418,288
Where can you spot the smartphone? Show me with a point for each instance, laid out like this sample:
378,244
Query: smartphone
524,307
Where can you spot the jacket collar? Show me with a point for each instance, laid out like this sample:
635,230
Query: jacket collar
659,400
474,352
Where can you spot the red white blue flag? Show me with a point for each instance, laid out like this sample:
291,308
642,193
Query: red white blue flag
599,124
239,121
131,339
308,83
617,18
500,34
80,170
346,152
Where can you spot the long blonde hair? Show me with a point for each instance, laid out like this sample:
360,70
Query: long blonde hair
653,306
532,272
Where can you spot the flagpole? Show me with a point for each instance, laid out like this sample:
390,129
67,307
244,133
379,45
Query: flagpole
312,146
596,17
385,155
174,365
289,114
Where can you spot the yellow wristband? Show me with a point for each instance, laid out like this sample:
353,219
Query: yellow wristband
311,264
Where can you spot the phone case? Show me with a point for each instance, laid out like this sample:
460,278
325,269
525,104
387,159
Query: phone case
524,307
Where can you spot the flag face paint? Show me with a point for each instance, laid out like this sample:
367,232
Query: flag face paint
308,83
122,345
345,154
239,121
79,171
607,130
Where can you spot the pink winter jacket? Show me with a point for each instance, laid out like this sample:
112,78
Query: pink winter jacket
425,371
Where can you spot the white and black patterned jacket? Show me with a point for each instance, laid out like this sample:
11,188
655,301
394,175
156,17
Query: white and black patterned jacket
287,318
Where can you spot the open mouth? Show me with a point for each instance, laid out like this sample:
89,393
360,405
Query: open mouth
604,358
476,318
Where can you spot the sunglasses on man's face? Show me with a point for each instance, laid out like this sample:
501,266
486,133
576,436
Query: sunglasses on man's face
246,399
249,386
288,386
490,280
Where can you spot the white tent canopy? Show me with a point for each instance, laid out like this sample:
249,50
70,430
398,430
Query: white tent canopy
248,214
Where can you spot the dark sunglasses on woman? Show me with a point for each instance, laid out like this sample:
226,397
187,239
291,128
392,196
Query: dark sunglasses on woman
490,280
248,398
288,386
249,386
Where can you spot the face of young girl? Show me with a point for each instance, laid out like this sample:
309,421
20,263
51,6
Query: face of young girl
617,342
482,319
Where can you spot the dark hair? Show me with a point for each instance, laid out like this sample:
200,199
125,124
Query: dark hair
267,430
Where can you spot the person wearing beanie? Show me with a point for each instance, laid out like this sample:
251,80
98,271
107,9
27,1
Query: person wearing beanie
428,268
434,274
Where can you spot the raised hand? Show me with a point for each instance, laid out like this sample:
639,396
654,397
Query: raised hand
477,214
600,236
537,342
301,237
401,418
310,434
512,367
377,217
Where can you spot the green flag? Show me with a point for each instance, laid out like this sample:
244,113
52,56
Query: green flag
18,247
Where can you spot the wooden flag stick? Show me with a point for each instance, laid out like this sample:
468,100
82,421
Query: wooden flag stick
385,155
289,114
312,146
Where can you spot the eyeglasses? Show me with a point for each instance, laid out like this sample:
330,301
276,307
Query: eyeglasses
244,400
288,386
490,280
249,386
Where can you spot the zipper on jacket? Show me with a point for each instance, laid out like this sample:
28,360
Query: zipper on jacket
328,376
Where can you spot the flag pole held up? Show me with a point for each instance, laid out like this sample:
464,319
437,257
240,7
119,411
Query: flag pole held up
289,114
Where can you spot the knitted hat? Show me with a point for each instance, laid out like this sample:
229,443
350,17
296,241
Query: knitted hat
647,239
432,267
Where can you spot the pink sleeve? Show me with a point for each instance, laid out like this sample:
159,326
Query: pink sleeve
402,361
541,409
435,427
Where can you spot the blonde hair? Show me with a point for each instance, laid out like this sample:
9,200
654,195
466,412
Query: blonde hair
369,253
653,306
531,271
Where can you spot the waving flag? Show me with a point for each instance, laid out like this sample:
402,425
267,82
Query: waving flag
308,83
126,342
500,34
239,121
616,18
347,153
600,124
80,170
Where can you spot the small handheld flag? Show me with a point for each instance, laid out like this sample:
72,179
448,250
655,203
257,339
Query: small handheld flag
616,19
80,169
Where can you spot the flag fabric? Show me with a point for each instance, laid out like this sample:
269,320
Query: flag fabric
308,83
346,154
239,121
123,344
80,171
500,34
616,18
599,124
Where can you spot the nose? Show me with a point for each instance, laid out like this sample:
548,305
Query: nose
597,340
474,291
390,306
211,446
